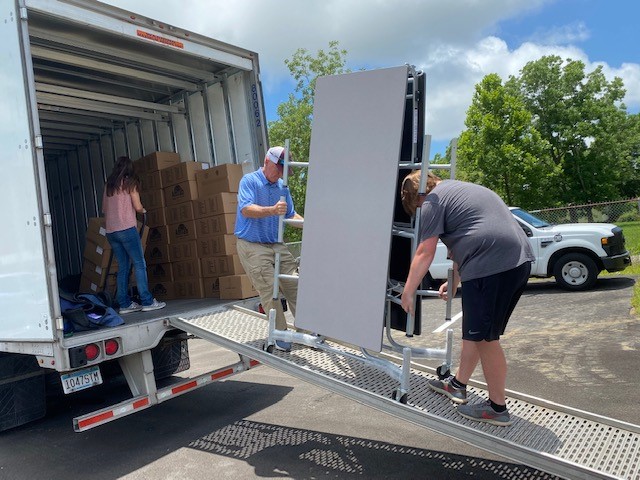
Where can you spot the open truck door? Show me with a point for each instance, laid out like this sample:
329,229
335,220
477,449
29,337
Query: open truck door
26,275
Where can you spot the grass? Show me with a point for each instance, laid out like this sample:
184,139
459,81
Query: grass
632,240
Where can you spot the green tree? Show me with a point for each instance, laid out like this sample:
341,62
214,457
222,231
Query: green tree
501,149
630,176
296,114
440,159
582,120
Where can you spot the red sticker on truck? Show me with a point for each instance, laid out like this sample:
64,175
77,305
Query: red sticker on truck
157,38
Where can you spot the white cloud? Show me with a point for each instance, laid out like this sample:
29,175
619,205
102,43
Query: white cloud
575,32
630,74
455,43
452,78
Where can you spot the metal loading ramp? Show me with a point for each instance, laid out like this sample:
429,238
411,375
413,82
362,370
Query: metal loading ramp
551,437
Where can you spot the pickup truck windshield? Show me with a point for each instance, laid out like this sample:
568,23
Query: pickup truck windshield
529,218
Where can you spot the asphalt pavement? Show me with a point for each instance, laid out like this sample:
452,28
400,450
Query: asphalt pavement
575,348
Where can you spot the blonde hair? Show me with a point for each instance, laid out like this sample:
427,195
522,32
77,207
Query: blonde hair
409,190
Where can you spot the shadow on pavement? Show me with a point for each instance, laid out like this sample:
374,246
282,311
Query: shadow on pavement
279,451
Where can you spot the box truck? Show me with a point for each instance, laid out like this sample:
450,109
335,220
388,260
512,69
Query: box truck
85,83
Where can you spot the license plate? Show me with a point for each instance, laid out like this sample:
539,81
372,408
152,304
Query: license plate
81,379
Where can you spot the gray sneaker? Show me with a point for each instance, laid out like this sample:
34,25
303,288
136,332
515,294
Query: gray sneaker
134,307
156,305
482,412
457,395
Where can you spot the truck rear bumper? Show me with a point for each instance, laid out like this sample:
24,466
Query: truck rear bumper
617,262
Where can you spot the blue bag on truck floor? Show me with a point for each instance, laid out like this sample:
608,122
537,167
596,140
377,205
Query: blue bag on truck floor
87,311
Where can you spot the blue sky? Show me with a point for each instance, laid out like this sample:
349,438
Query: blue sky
456,43
609,29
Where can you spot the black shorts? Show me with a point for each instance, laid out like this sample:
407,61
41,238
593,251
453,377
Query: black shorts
487,302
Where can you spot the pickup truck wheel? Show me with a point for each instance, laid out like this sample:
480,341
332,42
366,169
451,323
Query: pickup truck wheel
575,271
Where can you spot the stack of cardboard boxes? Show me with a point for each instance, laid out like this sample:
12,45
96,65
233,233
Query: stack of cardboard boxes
190,247
191,212
99,266
159,272
215,218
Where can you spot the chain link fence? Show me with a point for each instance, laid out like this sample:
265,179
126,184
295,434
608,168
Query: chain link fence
605,212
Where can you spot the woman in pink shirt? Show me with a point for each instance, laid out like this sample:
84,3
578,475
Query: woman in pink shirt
120,202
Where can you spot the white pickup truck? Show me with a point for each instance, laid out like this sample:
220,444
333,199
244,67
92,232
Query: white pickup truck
573,253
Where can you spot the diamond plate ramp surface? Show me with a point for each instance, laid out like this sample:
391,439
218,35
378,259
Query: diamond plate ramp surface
551,437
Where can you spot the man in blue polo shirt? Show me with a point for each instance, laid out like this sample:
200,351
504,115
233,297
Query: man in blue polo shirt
259,205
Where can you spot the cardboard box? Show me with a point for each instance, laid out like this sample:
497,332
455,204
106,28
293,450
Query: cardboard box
191,288
157,254
159,273
151,181
158,235
180,192
236,287
223,178
216,246
182,251
215,225
152,199
217,204
156,217
88,286
211,287
156,161
95,273
97,232
221,266
182,172
186,270
183,212
95,279
162,290
182,232
98,255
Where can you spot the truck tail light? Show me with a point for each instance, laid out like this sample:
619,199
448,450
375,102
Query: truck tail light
92,351
111,347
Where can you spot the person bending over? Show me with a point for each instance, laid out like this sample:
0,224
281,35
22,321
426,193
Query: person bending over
492,258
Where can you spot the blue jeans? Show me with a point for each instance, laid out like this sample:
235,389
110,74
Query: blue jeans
127,248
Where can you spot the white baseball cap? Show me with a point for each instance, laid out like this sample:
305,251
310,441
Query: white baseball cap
276,155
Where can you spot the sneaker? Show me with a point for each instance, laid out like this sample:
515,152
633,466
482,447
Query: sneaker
156,305
482,412
134,307
457,395
284,346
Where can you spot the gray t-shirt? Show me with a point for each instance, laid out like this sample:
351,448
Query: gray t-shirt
477,227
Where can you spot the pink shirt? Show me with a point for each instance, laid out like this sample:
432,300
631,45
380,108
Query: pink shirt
118,211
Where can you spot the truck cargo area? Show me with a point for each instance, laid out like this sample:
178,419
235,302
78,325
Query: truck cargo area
102,94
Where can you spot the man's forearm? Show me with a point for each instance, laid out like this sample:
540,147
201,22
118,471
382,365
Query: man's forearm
419,268
420,263
258,211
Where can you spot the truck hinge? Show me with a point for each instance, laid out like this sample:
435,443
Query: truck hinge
23,13
46,219
59,323
38,142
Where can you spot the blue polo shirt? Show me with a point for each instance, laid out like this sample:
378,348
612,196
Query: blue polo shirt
255,189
